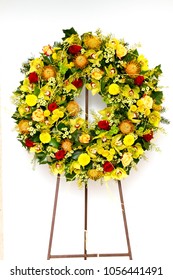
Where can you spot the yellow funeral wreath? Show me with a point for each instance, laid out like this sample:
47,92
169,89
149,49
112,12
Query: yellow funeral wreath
48,117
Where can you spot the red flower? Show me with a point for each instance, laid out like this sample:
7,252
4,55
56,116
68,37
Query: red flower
52,106
108,166
74,49
148,137
60,154
78,83
138,80
104,125
29,143
33,77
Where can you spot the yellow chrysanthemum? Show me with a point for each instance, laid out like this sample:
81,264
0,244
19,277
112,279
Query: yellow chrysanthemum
57,114
114,89
129,140
84,159
45,137
31,100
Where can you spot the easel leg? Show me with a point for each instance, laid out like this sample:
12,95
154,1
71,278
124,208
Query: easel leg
85,221
53,217
125,220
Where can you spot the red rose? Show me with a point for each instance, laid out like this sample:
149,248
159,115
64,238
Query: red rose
60,154
33,77
108,166
77,83
52,106
138,80
148,137
74,49
104,125
29,143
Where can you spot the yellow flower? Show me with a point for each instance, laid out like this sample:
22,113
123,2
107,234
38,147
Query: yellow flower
126,159
111,71
143,61
47,50
94,174
84,159
84,138
146,102
94,86
57,167
46,113
113,43
45,137
92,151
38,115
23,126
76,123
96,74
31,100
23,109
75,167
117,143
154,118
114,89
57,114
129,140
131,93
37,148
119,173
45,92
136,150
26,87
121,51
36,65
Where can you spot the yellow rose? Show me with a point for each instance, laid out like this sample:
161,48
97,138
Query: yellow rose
38,115
31,99
97,74
114,89
129,140
45,137
126,159
23,126
84,138
121,51
84,159
154,118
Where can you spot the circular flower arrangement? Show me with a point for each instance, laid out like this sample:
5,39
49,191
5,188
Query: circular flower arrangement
48,116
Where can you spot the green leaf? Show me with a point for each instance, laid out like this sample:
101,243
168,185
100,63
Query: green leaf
70,176
68,32
42,157
62,68
157,96
36,138
61,125
54,143
76,155
36,91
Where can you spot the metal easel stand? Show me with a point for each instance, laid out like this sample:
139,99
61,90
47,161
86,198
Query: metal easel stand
85,255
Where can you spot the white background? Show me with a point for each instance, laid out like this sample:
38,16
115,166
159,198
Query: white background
27,26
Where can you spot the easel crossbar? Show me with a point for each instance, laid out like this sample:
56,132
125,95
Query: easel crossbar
90,255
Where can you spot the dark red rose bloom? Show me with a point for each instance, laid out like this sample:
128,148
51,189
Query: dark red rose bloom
60,154
74,49
52,106
77,83
139,80
148,137
104,125
29,143
33,77
108,166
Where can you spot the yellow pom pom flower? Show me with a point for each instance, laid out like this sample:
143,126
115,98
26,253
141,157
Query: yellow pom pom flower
114,89
129,140
31,100
84,159
45,137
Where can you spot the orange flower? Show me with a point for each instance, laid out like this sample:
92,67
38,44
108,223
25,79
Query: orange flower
48,72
